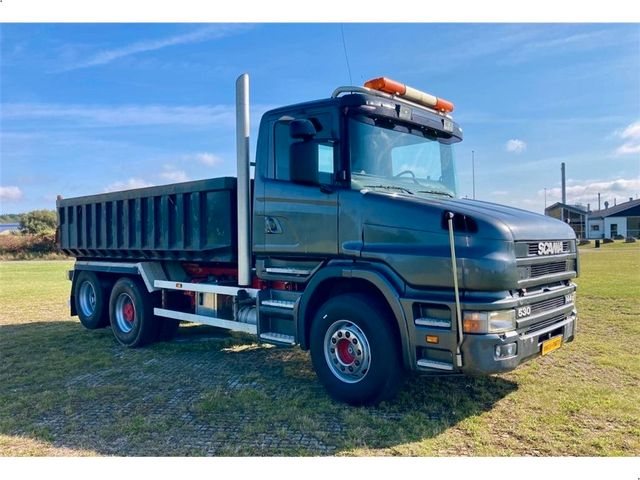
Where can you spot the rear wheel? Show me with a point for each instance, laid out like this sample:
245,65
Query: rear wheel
90,300
131,313
355,350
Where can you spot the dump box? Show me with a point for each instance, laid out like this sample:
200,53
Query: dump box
191,221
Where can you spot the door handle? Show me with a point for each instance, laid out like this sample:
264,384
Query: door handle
272,225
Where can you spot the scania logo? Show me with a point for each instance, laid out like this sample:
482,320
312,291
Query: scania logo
550,248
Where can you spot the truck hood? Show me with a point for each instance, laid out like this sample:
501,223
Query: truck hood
500,221
409,233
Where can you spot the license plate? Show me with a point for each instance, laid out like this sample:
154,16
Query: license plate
551,345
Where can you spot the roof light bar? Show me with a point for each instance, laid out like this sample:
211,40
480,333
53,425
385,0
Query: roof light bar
396,88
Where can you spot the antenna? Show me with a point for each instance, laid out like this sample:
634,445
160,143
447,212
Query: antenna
473,172
346,57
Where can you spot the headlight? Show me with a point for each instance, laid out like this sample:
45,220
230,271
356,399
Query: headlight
489,322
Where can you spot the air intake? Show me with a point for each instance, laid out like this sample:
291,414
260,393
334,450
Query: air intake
461,223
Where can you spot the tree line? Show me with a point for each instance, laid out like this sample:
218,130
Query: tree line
36,222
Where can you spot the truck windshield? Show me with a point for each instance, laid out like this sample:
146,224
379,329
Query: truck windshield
389,156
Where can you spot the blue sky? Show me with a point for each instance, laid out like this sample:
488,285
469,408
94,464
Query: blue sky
87,108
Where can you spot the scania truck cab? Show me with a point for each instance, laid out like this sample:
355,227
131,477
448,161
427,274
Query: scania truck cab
351,242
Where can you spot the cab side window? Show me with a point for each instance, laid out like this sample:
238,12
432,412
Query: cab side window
283,143
323,140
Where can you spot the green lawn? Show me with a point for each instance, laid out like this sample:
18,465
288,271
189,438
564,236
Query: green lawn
68,391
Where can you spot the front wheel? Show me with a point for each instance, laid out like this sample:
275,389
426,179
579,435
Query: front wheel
355,350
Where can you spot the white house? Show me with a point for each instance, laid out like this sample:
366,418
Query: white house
622,219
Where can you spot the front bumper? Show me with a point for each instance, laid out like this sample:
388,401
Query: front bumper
552,317
479,351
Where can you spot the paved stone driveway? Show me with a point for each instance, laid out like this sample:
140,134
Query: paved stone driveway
211,393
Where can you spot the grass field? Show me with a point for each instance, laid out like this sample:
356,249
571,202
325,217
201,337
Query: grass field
68,391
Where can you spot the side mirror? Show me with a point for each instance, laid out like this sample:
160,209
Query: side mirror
303,166
302,129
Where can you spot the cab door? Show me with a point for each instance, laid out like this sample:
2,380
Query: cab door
301,219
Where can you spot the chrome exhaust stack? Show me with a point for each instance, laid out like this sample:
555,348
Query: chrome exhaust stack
243,185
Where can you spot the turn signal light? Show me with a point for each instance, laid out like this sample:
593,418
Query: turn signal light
489,322
393,87
473,323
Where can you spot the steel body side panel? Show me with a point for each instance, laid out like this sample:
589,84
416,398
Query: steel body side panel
107,267
192,221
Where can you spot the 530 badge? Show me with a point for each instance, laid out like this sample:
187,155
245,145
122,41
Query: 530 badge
523,311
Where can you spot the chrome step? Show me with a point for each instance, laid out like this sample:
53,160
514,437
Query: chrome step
278,338
278,304
433,322
424,363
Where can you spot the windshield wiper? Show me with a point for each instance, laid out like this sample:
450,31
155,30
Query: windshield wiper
437,192
390,187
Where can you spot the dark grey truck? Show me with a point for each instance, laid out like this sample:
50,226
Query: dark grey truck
350,242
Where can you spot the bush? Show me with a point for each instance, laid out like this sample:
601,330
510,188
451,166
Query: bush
26,247
629,240
618,237
584,242
607,240
39,222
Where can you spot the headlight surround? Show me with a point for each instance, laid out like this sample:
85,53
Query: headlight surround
489,322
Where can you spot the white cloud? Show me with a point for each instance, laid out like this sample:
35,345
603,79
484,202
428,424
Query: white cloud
563,43
122,115
500,192
127,185
515,146
11,194
631,137
174,176
587,192
628,148
632,131
203,34
209,159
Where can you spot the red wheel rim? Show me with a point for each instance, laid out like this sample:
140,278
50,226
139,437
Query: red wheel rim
345,351
128,312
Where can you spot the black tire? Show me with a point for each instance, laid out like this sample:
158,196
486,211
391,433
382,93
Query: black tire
358,376
90,297
131,313
166,328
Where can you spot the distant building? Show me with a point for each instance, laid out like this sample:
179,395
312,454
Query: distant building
574,215
622,219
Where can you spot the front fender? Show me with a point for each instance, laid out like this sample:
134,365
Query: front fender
382,278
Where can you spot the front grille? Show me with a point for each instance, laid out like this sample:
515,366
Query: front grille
547,305
533,248
542,269
545,323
